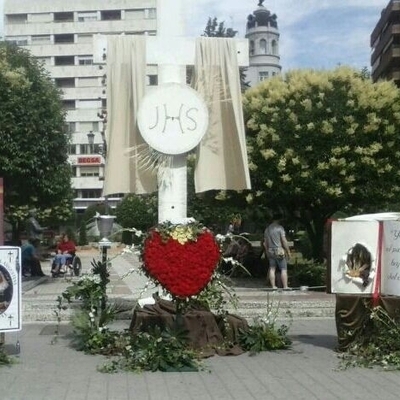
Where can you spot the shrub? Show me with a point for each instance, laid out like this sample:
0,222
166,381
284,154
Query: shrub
308,273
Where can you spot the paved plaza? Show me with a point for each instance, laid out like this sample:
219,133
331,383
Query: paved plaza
309,370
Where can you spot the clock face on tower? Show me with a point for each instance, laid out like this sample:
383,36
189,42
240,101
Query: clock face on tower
173,118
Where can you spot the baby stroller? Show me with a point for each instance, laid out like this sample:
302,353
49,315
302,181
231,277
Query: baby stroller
73,265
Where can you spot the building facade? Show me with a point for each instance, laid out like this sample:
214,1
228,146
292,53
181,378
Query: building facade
263,35
60,34
385,44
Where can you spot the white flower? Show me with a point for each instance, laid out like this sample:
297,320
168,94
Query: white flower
220,238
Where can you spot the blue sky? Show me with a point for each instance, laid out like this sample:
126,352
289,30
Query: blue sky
317,34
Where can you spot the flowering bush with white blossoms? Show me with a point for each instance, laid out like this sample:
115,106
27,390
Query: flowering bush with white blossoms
323,141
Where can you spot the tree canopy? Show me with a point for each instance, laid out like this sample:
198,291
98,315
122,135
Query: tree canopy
137,211
218,29
34,146
321,142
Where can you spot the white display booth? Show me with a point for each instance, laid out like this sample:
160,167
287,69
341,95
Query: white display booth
365,255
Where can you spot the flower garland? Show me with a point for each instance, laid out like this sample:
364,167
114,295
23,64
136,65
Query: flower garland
181,258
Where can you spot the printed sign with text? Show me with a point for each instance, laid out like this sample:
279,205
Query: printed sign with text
10,289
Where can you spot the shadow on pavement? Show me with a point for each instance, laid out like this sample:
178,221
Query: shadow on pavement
325,341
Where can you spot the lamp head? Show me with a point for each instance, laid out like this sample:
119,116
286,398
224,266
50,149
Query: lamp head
90,137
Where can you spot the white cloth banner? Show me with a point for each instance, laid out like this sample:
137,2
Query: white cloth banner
126,82
221,156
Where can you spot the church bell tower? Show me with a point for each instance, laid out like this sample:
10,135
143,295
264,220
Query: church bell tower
263,35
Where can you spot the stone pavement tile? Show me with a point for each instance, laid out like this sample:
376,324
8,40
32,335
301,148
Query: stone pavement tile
39,301
48,371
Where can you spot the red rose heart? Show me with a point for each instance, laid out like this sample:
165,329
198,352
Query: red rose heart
182,269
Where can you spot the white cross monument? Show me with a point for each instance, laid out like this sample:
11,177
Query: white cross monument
173,108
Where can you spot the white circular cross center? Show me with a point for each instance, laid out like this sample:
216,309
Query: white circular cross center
173,118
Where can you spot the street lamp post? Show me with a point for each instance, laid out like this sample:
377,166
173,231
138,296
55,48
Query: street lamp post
90,137
103,152
104,225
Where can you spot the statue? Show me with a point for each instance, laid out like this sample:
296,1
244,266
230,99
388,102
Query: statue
260,3
33,228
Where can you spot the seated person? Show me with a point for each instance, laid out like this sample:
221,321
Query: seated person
29,258
65,252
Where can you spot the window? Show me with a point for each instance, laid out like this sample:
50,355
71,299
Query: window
263,46
85,60
38,18
110,15
89,126
72,149
17,18
41,39
71,128
91,193
88,82
64,60
84,38
262,75
69,104
89,171
152,80
251,47
274,46
19,41
89,148
150,13
74,171
64,38
134,14
65,82
44,60
87,16
87,104
63,17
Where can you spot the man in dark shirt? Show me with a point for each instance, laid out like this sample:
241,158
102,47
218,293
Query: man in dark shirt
30,259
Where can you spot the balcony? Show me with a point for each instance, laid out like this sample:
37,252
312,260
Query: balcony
389,60
87,182
82,204
389,34
66,49
83,93
43,28
388,15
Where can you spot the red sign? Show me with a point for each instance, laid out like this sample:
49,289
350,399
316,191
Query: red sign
89,160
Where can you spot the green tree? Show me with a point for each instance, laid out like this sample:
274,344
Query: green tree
218,29
82,234
34,147
321,142
137,211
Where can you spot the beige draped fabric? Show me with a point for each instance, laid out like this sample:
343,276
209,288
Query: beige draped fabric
221,156
126,82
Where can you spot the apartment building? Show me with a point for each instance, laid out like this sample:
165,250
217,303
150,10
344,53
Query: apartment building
60,34
385,44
